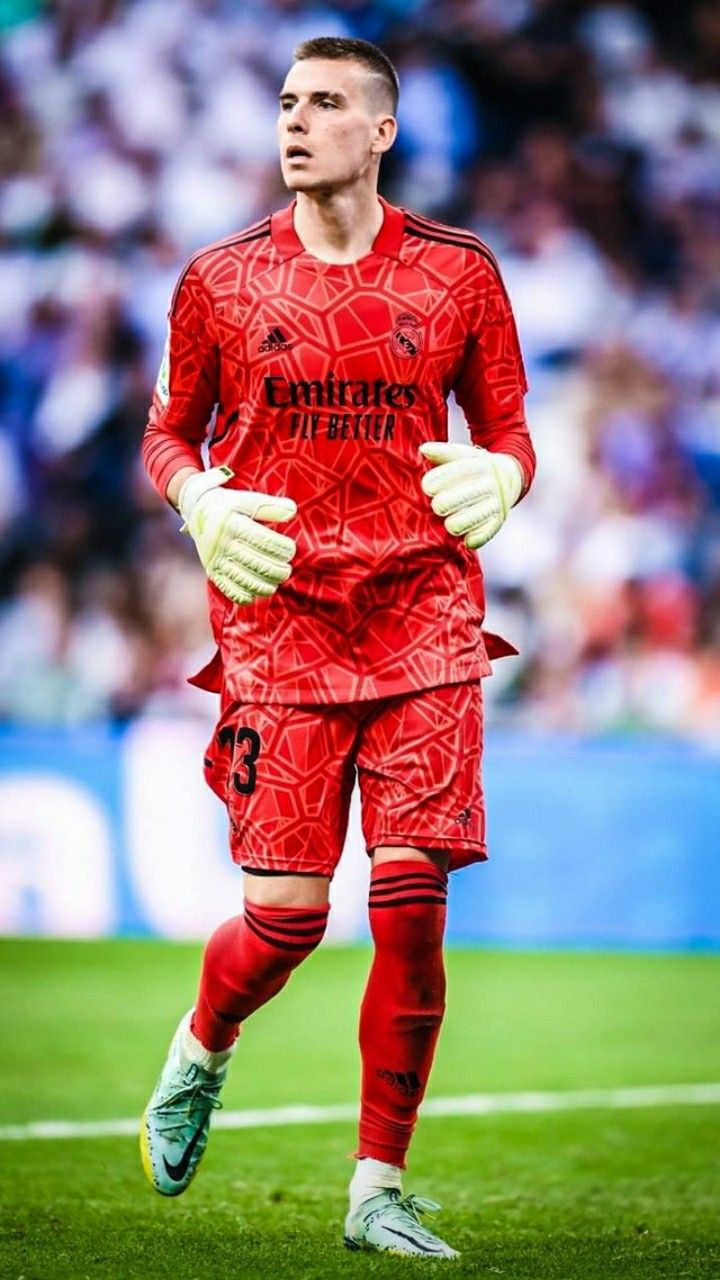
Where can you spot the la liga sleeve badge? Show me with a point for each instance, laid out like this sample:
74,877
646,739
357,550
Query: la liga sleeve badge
162,386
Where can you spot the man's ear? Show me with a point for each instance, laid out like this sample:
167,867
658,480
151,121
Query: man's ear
385,134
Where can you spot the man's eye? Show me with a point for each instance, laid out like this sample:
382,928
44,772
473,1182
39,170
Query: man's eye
328,102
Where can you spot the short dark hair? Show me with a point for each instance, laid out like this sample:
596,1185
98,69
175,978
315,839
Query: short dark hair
340,48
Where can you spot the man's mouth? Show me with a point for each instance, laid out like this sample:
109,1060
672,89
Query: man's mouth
297,153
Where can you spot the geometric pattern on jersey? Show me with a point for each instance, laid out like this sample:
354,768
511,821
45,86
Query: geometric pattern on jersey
286,774
326,379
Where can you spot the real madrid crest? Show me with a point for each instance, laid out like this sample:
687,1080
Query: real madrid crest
407,338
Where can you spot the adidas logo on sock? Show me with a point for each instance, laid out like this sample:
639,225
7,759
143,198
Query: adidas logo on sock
404,1081
275,341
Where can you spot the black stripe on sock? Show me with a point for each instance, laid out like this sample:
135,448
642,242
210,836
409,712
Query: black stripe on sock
417,895
399,891
407,902
275,942
405,875
287,932
410,883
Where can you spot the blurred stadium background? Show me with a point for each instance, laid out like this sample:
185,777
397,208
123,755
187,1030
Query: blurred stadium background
581,140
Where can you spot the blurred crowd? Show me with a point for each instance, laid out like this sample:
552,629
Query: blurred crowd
580,140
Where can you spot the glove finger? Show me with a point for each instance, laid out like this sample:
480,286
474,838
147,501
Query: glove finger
229,588
237,571
277,546
279,510
455,472
264,562
438,451
463,495
482,533
468,518
250,561
273,568
264,506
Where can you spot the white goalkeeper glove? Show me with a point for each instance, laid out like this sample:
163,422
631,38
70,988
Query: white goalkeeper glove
243,558
471,488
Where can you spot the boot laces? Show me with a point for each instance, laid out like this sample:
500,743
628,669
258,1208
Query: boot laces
410,1207
176,1111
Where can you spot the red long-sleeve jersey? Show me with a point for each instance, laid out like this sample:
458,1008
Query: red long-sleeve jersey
325,379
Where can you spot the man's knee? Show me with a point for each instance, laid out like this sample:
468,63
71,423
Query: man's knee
250,958
281,889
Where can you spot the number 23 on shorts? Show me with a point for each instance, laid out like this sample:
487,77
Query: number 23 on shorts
244,775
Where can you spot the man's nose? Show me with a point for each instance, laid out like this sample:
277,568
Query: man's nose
296,120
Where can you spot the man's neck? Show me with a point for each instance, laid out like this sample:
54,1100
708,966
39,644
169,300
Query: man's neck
339,227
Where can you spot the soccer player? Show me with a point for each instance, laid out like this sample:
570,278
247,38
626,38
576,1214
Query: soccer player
338,530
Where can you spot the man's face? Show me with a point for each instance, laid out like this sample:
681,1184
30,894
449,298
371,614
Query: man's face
332,126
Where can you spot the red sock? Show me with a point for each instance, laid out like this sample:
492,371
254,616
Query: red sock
403,1004
246,962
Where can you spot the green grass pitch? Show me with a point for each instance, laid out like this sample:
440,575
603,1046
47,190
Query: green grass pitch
592,1195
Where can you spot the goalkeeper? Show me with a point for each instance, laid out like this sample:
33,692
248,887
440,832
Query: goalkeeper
338,530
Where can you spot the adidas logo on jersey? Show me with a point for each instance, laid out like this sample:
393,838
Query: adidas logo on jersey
275,341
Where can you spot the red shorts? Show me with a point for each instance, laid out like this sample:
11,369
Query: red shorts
286,774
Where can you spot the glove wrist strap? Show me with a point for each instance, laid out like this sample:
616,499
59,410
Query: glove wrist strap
195,486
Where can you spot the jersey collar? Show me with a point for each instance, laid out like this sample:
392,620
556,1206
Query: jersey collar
387,242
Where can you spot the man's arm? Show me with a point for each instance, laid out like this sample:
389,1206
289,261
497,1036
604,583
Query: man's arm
240,555
473,487
491,385
186,390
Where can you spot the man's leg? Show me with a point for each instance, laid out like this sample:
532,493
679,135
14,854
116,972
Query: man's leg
285,774
419,764
400,1019
404,1001
246,962
250,957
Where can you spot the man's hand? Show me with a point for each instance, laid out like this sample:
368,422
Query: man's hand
243,558
472,489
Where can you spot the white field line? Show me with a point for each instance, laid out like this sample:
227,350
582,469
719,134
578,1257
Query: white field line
473,1104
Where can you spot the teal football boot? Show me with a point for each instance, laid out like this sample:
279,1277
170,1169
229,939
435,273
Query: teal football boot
175,1126
390,1223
